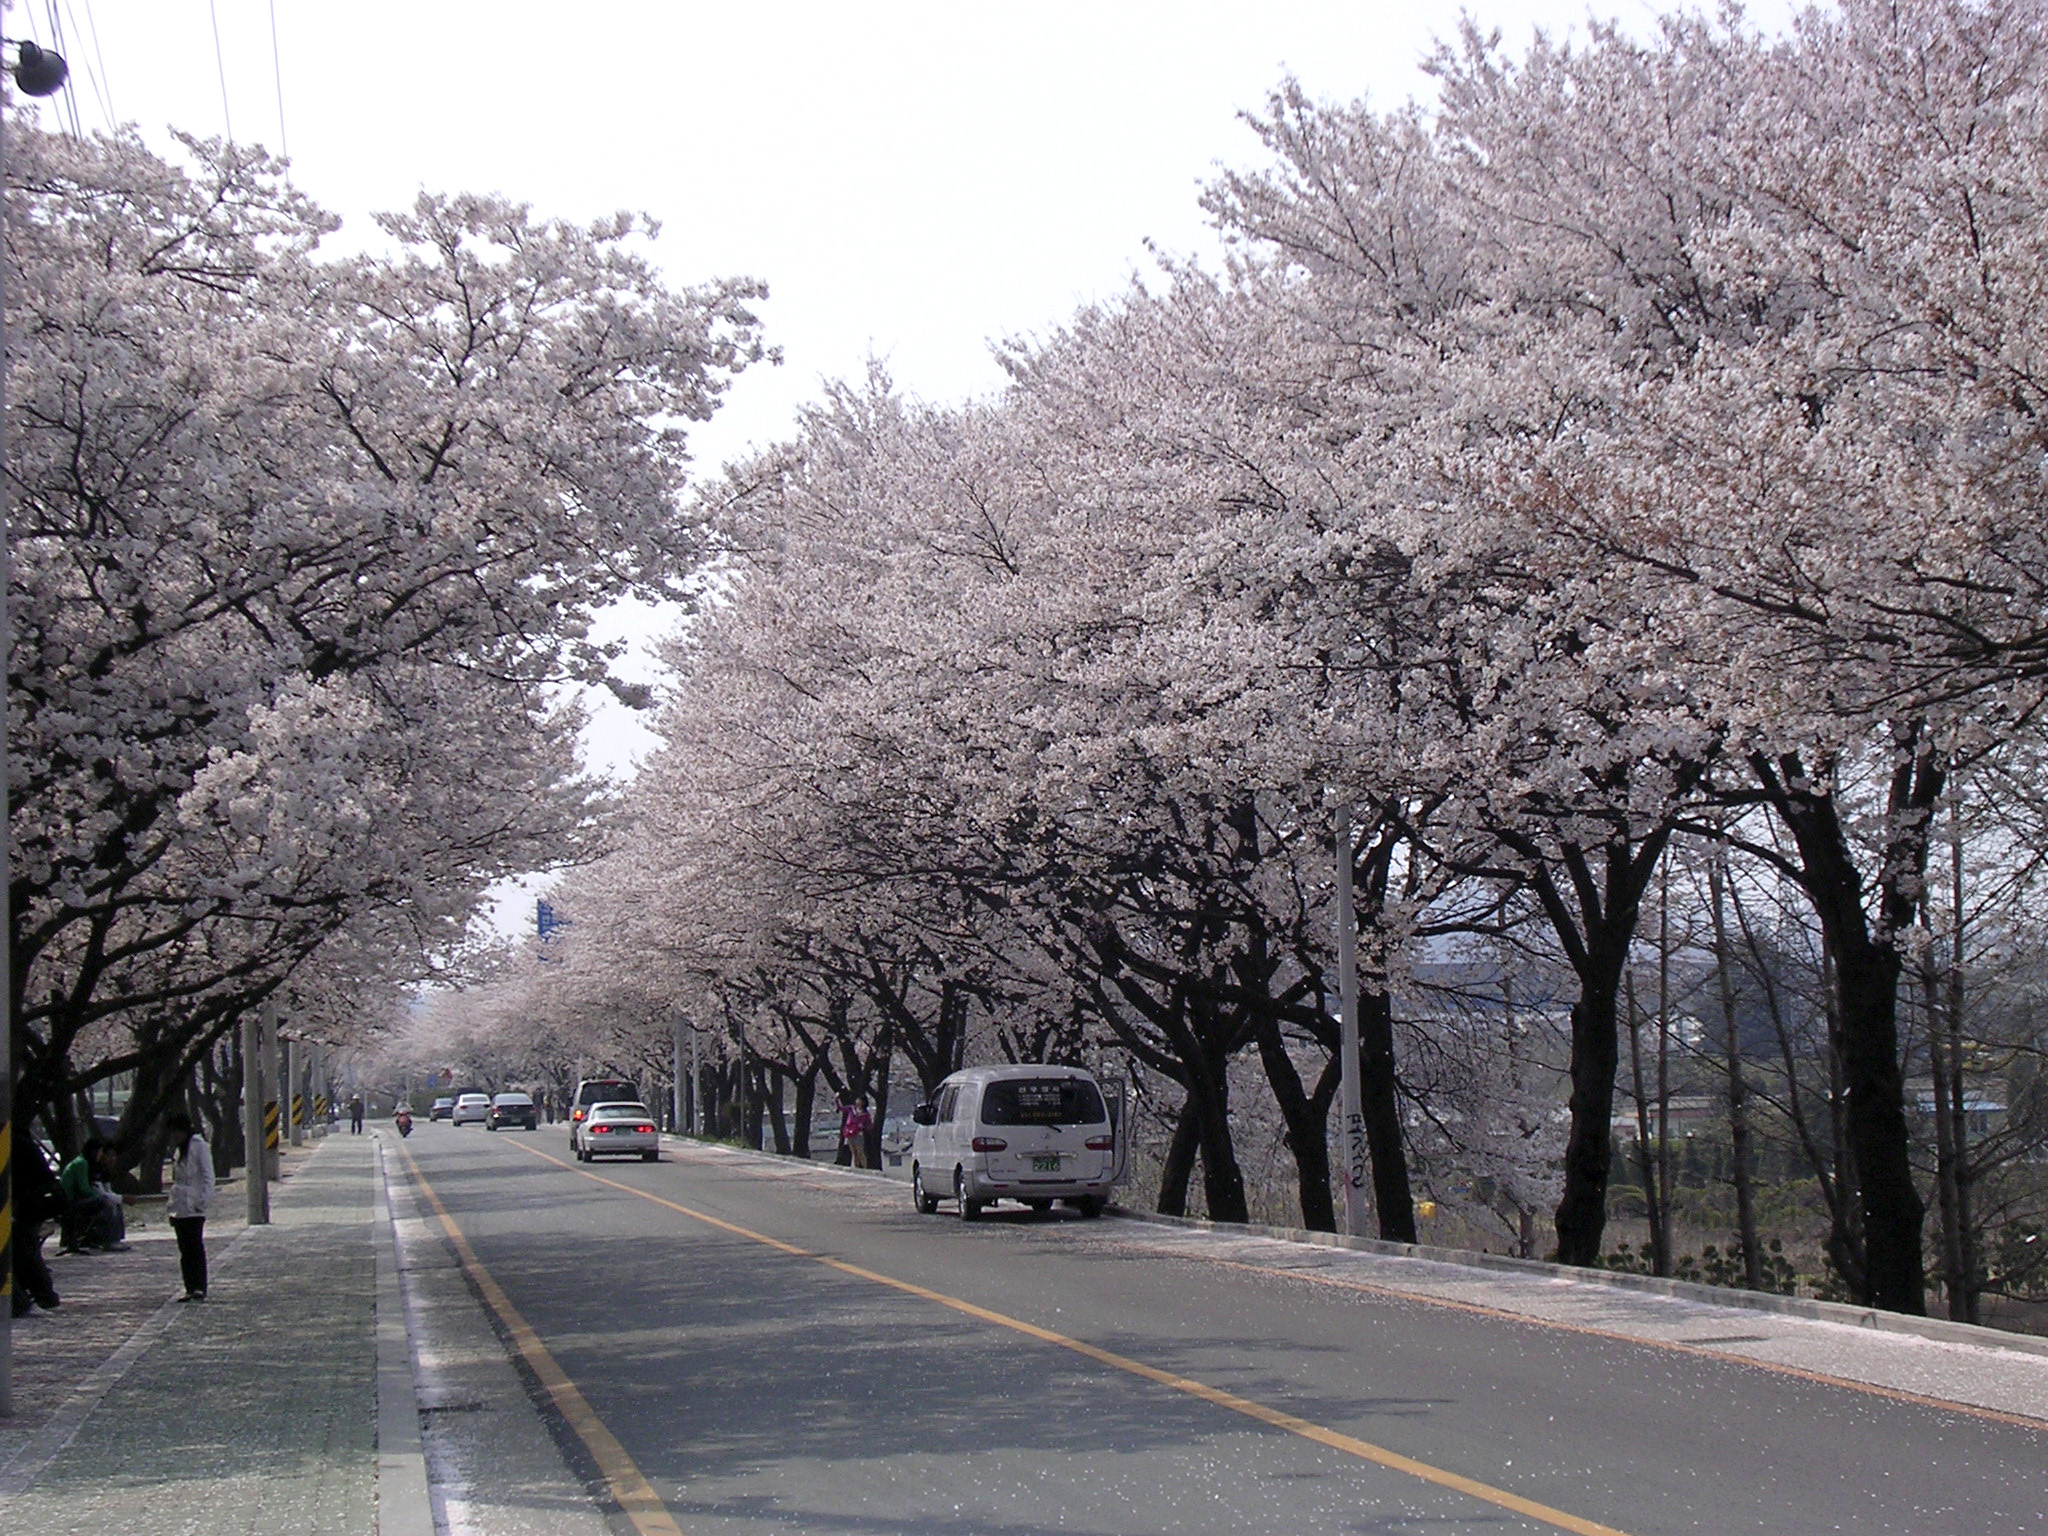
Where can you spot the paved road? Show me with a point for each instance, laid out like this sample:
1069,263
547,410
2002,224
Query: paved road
729,1347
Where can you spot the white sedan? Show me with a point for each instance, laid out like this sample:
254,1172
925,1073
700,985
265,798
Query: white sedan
617,1130
471,1109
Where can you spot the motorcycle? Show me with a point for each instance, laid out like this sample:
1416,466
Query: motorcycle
403,1120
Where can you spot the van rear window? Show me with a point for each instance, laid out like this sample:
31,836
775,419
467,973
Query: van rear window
596,1091
1042,1101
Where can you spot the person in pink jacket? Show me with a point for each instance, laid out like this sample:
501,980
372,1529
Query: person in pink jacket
854,1124
191,1192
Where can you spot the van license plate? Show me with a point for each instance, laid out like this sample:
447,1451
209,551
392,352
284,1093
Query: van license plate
1046,1163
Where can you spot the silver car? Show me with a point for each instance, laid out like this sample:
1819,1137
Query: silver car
471,1109
618,1130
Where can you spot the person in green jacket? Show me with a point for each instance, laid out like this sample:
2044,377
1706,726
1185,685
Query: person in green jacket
93,1217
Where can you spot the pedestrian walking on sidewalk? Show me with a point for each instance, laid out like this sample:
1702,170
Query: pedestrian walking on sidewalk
355,1115
37,1198
191,1192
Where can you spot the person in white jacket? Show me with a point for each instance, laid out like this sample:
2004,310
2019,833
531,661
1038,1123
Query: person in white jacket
191,1192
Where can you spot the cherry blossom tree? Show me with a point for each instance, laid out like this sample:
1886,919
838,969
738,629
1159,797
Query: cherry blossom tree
1640,441
300,546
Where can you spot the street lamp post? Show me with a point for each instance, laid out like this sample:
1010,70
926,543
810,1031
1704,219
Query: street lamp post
37,72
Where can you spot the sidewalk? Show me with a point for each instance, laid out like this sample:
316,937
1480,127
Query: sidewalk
255,1410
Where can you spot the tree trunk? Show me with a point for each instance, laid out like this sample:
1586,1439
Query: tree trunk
1947,1205
1589,1149
1878,1137
881,1101
778,1115
1845,1227
1738,1089
221,1077
1179,1165
1307,1122
1970,1269
1661,1253
806,1110
1595,926
1649,1149
1379,1101
753,1096
1867,972
1222,1179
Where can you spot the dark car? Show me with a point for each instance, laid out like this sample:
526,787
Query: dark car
508,1109
442,1109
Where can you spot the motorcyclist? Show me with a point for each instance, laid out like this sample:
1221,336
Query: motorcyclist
403,1120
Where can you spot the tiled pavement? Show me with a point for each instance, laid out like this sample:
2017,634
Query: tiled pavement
253,1411
106,1298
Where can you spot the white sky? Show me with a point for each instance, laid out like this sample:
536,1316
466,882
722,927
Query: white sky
912,180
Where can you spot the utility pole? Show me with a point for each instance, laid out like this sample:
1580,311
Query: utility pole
1350,1100
252,1120
268,1055
37,72
295,1089
319,1094
696,1087
679,1105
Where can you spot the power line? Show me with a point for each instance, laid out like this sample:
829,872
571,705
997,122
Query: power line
220,69
102,87
284,144
67,105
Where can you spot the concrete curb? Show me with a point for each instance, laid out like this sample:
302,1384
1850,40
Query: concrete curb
1940,1330
1935,1328
404,1504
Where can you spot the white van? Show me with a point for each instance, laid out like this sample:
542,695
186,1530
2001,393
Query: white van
1033,1134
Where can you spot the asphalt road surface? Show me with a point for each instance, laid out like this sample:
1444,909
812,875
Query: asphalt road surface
724,1346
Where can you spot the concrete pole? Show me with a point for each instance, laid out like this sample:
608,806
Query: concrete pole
696,1089
295,1091
1351,1112
323,1092
8,1278
252,1120
54,78
268,1056
679,1106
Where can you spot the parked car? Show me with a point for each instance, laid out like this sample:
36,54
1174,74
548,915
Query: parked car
442,1109
616,1130
471,1109
598,1090
1029,1133
512,1109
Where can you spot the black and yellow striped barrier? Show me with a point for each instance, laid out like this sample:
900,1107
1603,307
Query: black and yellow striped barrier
270,1124
298,1111
6,1213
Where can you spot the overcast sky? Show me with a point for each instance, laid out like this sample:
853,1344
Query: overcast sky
911,180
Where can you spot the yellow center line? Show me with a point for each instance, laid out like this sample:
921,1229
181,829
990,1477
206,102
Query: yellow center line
2037,1422
1336,1440
629,1489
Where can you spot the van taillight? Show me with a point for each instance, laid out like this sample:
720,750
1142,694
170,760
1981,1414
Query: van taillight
1101,1143
990,1144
